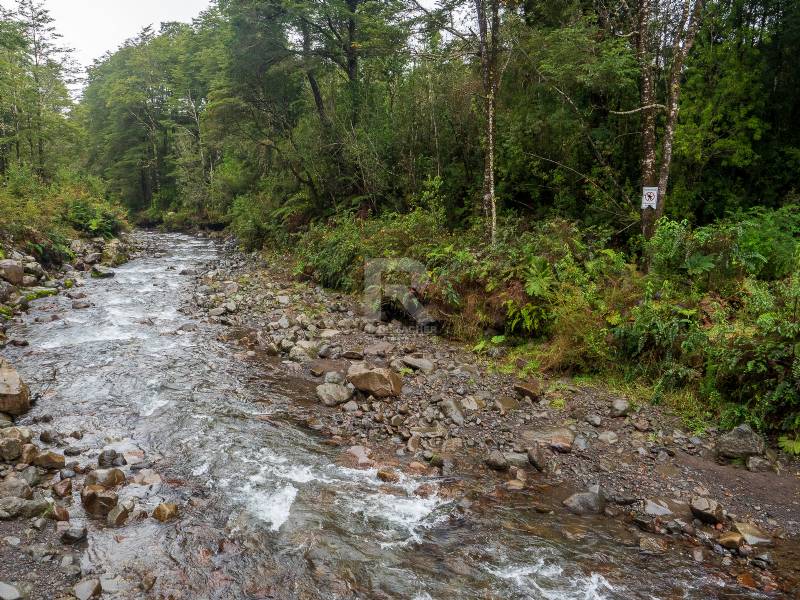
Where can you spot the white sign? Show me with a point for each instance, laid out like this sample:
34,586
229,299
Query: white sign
650,198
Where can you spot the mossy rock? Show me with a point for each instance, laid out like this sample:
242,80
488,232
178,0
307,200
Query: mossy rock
40,293
69,284
6,312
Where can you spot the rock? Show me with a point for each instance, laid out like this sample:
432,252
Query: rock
758,464
350,407
419,364
88,588
97,500
101,272
107,478
81,304
752,535
299,354
496,461
120,513
537,457
707,510
9,592
60,513
452,411
217,312
609,437
6,291
505,404
333,394
73,535
731,540
361,456
585,503
559,439
388,475
656,508
594,419
12,271
15,397
620,408
530,389
110,458
379,382
49,460
516,459
14,487
740,442
165,511
10,449
651,545
16,507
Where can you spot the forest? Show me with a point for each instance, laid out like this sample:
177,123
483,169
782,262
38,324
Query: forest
504,144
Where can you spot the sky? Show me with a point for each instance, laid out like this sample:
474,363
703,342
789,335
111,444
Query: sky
92,27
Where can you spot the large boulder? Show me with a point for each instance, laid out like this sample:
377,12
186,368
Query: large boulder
740,442
6,291
12,271
15,487
380,382
15,397
559,439
115,253
98,501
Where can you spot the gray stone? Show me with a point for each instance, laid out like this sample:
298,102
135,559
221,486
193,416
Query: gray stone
14,487
609,437
537,457
558,439
419,364
73,535
707,510
452,411
88,588
516,459
758,464
497,461
585,503
12,271
9,592
740,442
656,508
333,394
620,408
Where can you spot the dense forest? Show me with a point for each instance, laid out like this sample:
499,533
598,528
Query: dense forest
504,145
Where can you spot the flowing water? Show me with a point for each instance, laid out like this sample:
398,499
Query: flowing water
268,510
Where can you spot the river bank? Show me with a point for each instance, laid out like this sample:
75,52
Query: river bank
191,456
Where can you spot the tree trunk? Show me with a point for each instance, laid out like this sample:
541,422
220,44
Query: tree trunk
648,159
488,34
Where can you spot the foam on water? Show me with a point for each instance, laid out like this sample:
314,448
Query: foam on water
273,507
545,578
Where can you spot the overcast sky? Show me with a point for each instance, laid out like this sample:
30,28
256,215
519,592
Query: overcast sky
92,27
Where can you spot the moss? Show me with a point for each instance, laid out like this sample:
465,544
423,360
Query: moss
6,312
42,293
69,284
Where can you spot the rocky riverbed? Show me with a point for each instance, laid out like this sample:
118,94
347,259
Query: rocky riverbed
202,425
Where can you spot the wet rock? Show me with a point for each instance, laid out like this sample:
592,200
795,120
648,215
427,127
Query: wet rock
6,291
10,449
88,588
49,460
516,459
620,408
361,456
101,272
14,487
558,439
379,382
496,461
107,478
97,500
530,389
120,513
740,442
9,592
110,458
166,511
49,436
419,364
537,457
388,475
12,271
752,535
73,535
15,397
81,304
707,510
651,545
585,503
333,394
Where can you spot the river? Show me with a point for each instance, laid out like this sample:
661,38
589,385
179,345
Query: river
267,508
